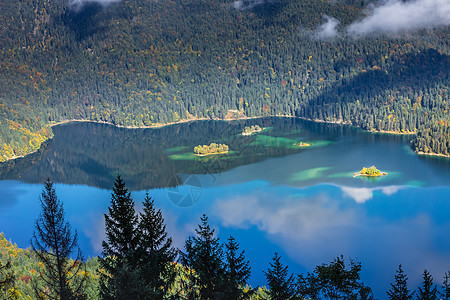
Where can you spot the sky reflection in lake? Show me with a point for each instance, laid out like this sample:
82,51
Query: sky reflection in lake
305,204
308,226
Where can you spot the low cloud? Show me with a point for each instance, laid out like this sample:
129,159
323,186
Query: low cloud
328,30
395,16
78,4
247,4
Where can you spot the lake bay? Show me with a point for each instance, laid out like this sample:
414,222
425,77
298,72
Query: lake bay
268,192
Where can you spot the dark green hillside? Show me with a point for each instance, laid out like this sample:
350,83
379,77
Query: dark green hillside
143,63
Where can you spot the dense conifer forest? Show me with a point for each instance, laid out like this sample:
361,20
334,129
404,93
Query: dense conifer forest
147,63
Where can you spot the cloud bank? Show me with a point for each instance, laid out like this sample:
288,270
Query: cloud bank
396,16
327,30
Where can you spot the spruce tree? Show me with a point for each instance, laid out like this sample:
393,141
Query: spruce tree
446,286
280,284
399,289
237,270
120,278
156,253
428,291
53,242
204,256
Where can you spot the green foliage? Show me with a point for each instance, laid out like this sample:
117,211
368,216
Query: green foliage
399,289
53,242
248,130
144,63
120,275
203,254
428,291
156,253
281,285
7,281
138,258
334,281
237,270
213,148
446,286
372,171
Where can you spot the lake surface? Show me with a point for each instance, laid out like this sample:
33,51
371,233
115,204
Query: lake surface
268,192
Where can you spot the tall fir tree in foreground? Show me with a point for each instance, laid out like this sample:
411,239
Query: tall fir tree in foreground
237,270
399,290
53,242
428,291
120,277
204,255
156,253
280,284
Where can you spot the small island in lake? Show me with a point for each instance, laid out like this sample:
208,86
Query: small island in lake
370,172
301,144
249,130
213,148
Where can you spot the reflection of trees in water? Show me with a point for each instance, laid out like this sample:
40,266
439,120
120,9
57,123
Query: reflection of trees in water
93,154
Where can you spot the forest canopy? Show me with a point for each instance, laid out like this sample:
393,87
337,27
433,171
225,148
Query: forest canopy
147,63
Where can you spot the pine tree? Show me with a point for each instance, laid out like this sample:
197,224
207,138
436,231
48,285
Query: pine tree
120,278
156,251
281,286
53,242
399,289
204,255
237,270
428,291
446,286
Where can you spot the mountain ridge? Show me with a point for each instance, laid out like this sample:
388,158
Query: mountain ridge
137,63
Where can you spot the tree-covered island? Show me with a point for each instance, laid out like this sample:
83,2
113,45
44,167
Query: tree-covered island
301,144
213,148
370,172
249,130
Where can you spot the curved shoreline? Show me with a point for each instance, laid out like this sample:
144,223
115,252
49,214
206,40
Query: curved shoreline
160,125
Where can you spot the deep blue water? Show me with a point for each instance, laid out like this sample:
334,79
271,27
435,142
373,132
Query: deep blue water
306,205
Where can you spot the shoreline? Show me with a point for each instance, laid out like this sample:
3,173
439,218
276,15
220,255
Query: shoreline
432,154
194,119
202,155
365,175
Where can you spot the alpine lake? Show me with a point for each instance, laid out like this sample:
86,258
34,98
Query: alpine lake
268,192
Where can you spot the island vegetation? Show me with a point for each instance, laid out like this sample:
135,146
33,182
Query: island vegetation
302,144
370,172
213,148
249,130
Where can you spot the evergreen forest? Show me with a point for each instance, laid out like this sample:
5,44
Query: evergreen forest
151,62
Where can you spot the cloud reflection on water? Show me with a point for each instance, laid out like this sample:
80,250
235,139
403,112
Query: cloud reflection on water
316,227
361,195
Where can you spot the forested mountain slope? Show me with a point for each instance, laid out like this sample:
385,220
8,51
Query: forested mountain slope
149,62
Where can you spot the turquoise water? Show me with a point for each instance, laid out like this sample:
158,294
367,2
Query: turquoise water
303,203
